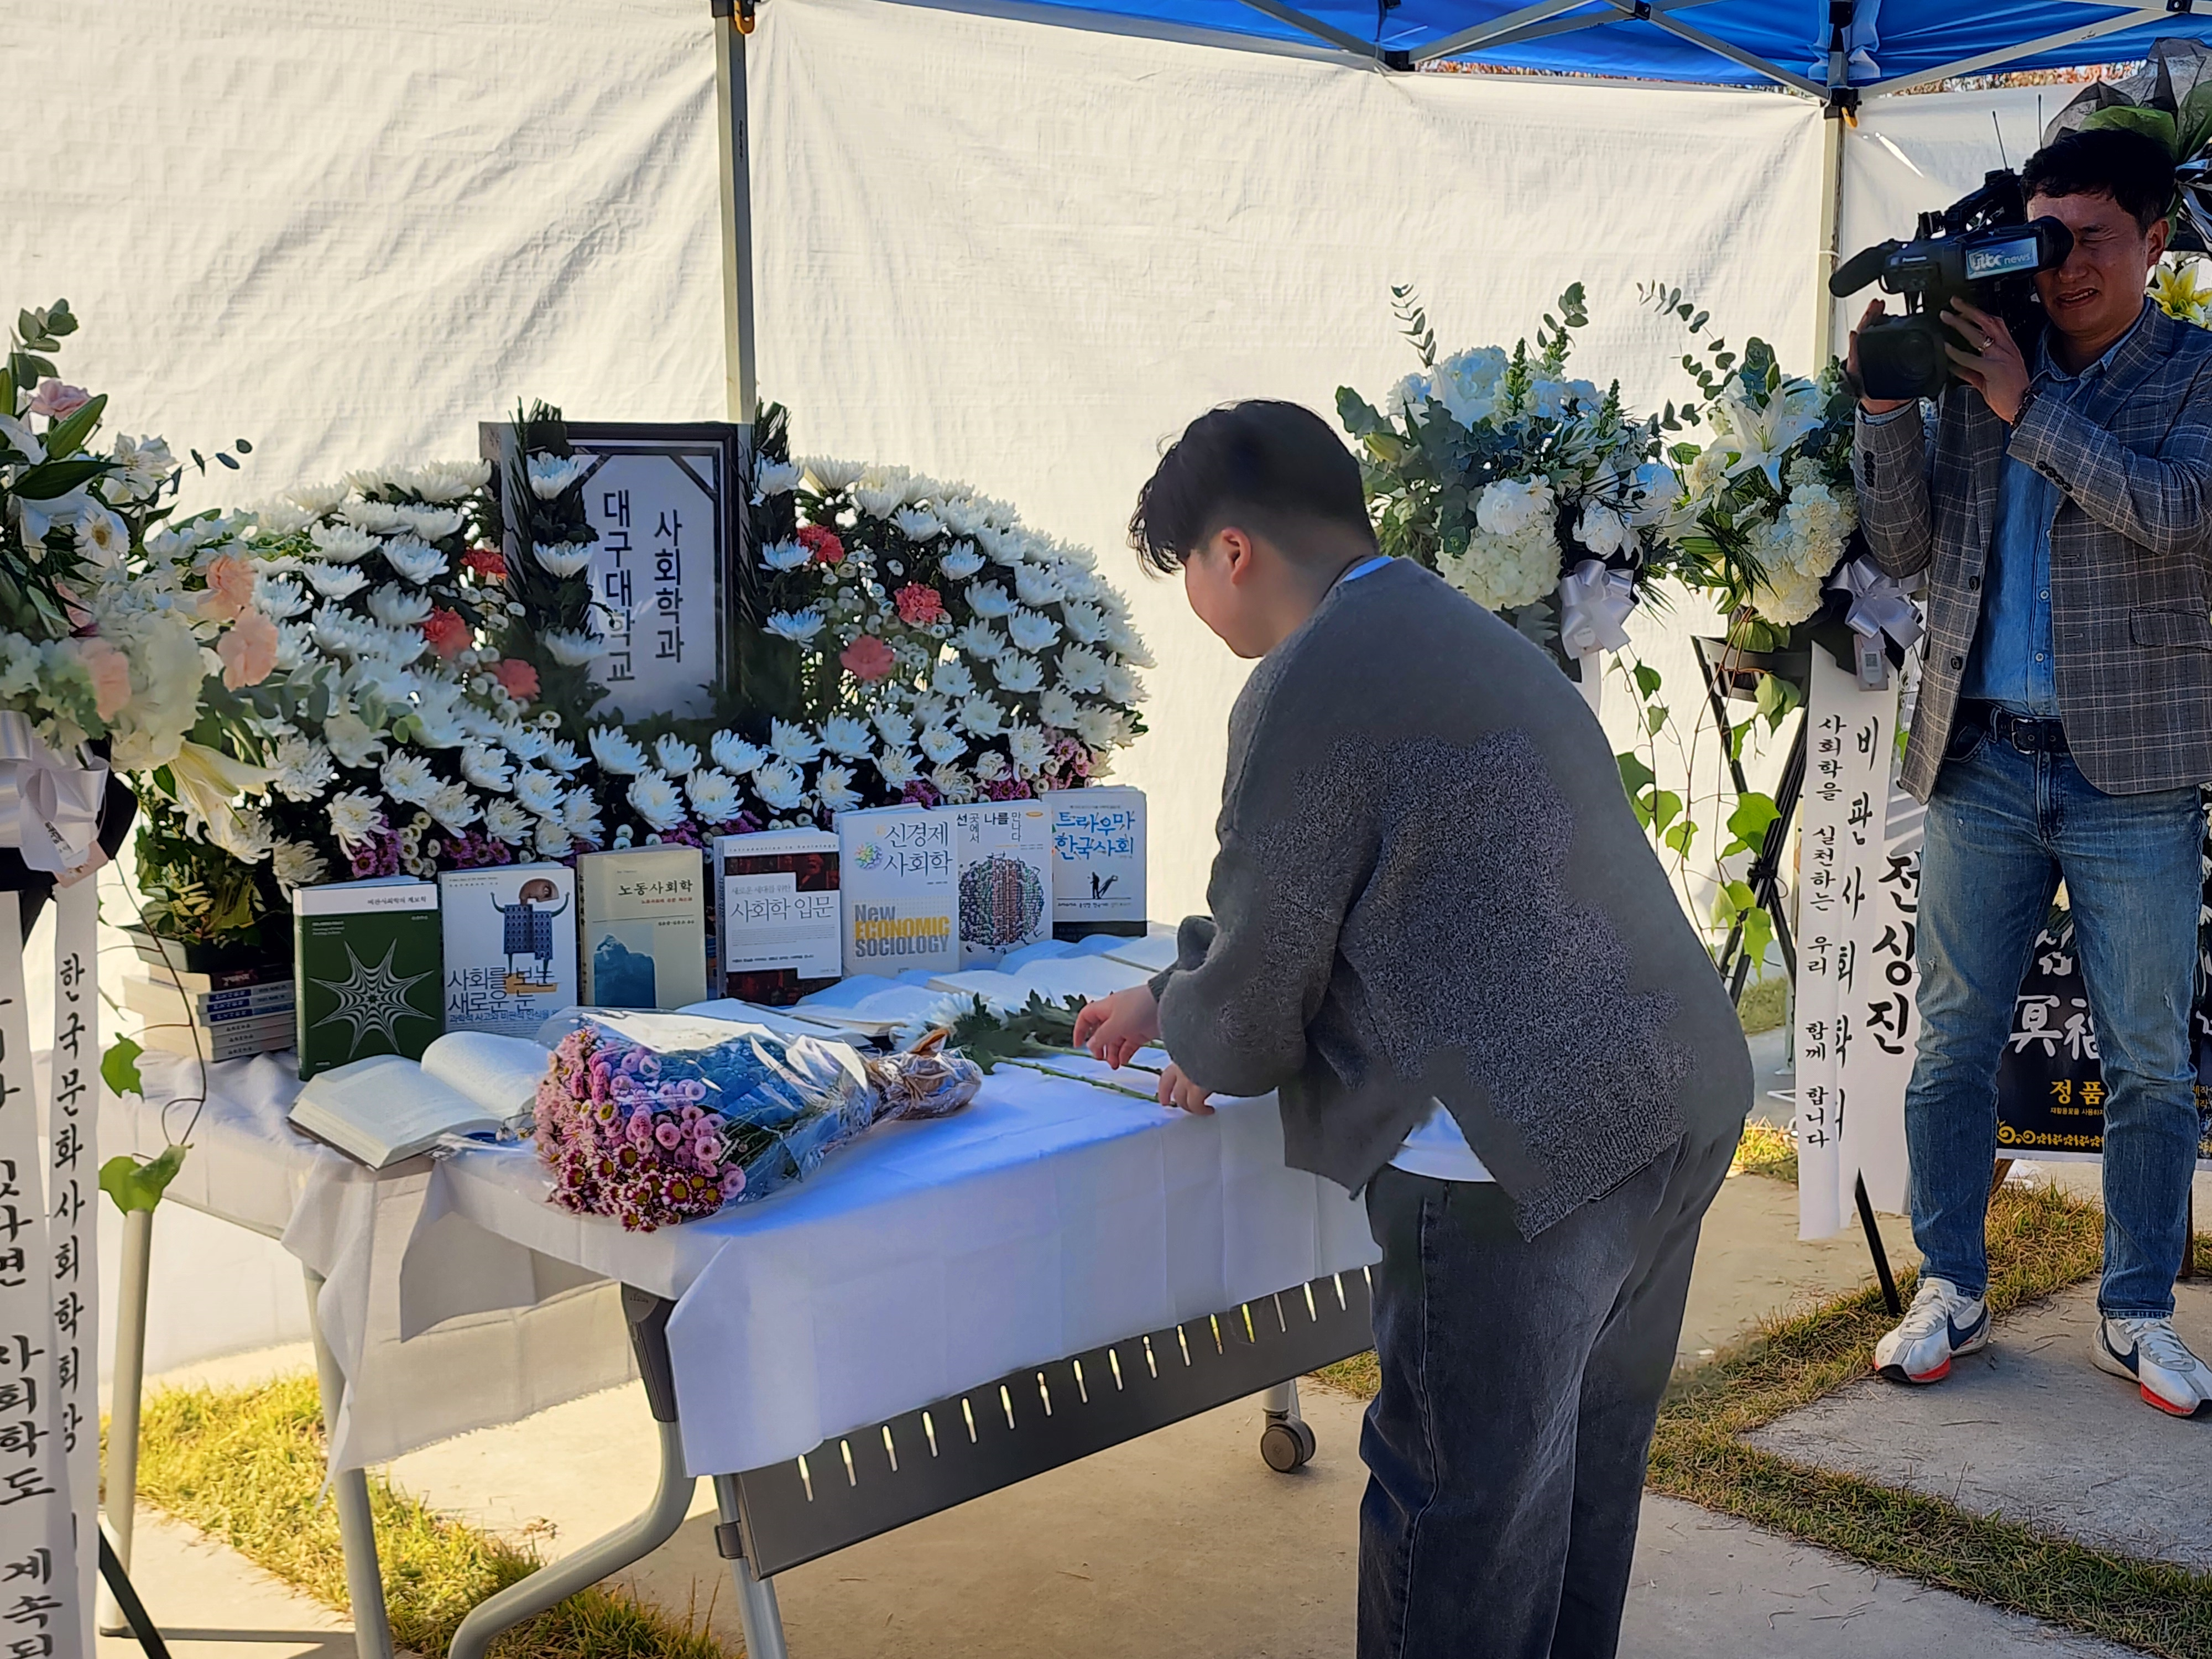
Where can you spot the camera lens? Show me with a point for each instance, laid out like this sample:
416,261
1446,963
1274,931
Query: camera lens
1904,359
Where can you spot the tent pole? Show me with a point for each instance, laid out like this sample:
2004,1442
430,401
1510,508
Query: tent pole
1824,266
737,207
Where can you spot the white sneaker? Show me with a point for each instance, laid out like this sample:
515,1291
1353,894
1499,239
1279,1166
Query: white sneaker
1941,1324
2149,1353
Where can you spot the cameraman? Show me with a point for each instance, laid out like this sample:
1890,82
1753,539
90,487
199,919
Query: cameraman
2060,509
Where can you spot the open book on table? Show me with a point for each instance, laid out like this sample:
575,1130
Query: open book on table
385,1109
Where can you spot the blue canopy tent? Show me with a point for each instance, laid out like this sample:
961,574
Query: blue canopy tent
1838,51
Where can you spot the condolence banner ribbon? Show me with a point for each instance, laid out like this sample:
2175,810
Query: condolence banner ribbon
49,806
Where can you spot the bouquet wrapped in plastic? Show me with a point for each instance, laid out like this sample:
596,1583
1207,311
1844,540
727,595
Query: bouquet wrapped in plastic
651,1119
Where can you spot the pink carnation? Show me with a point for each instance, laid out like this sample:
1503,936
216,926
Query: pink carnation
229,588
58,400
867,658
248,650
823,544
918,605
520,678
448,634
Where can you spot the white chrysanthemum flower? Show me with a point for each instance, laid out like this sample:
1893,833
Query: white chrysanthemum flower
1035,584
1098,726
733,753
243,832
507,821
1128,645
794,742
298,865
981,717
416,560
453,805
444,481
715,797
942,743
991,766
897,767
978,641
335,581
962,562
395,607
1085,623
780,785
408,777
1032,630
439,727
539,790
917,524
487,769
797,626
295,646
525,743
303,768
554,839
552,475
841,734
775,478
279,597
616,751
580,812
356,819
342,542
674,755
1121,686
1056,708
562,560
784,555
833,787
653,797
316,498
827,474
989,600
562,757
432,523
572,649
951,679
353,741
895,726
1018,673
1082,670
955,785
1030,750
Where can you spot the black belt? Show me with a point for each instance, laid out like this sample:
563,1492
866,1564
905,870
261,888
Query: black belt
2029,737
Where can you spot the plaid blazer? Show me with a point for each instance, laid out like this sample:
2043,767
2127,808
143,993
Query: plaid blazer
2130,553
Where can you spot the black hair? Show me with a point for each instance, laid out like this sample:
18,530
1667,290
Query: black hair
2137,171
1267,462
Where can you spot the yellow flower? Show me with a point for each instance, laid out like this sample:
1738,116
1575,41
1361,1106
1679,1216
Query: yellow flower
2176,288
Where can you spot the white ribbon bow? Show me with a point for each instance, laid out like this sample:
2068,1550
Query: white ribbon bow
1878,604
1595,601
49,806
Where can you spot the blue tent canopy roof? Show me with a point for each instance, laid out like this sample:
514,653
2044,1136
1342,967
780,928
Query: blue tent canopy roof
1892,44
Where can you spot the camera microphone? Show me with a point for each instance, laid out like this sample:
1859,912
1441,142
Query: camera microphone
1861,268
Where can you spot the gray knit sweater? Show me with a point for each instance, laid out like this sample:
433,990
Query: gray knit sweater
1431,885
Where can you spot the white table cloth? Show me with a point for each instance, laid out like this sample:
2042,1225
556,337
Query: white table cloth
248,1166
1049,1217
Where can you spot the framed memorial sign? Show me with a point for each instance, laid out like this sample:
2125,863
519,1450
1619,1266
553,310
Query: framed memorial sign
670,573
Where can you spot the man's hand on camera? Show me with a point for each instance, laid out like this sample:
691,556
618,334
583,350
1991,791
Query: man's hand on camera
1114,1028
1994,368
1872,406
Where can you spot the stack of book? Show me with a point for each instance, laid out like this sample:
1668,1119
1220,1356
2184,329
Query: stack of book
226,1014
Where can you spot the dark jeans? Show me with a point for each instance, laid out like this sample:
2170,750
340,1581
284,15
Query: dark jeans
2003,829
1521,1381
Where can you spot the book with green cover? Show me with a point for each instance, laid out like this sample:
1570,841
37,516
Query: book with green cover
366,962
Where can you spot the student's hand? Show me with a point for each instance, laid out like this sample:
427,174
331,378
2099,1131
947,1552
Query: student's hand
93,861
1114,1028
1995,367
1872,406
1180,1092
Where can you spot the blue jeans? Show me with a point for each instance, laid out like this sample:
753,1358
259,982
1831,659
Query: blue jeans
2003,829
1521,1383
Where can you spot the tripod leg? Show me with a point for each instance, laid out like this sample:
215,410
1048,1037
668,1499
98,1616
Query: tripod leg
126,1598
1874,1248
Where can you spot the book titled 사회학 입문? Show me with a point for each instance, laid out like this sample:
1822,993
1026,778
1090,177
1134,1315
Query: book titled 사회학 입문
366,969
510,957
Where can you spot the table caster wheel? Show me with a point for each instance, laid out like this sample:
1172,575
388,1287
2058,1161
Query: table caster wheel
1286,1445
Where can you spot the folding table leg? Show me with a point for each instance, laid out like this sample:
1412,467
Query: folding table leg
372,1627
122,1472
756,1608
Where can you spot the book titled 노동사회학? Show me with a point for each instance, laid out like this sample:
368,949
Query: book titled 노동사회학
510,959
366,962
643,942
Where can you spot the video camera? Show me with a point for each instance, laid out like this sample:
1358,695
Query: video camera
1982,247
